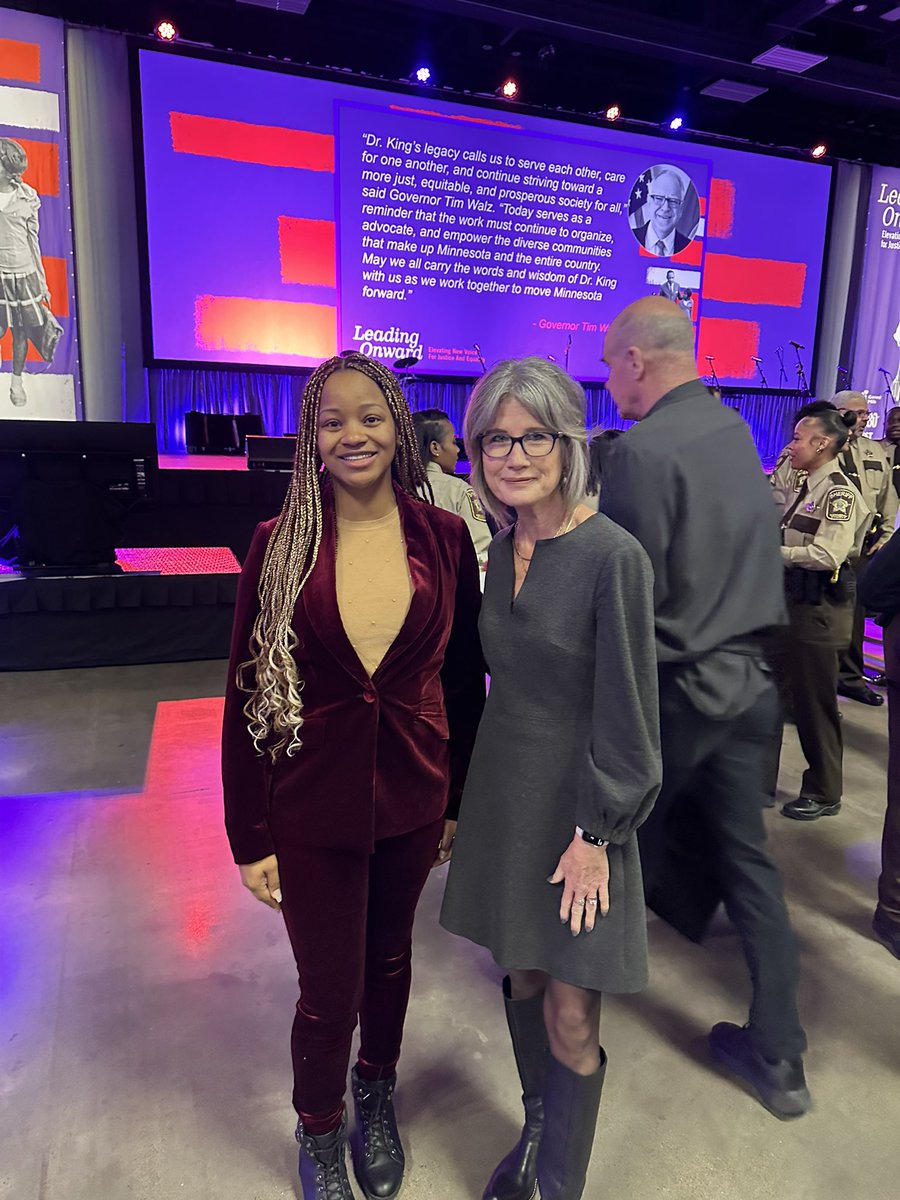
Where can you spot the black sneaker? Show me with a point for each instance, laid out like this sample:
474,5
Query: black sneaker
780,1086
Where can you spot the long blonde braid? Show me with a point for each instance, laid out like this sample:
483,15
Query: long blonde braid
274,709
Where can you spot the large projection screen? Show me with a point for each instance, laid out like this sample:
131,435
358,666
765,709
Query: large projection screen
291,218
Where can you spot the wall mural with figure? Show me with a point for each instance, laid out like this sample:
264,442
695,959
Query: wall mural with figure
38,343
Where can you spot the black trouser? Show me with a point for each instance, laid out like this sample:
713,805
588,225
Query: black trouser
806,661
852,663
713,779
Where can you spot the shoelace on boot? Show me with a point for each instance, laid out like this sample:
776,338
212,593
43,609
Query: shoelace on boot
331,1171
376,1131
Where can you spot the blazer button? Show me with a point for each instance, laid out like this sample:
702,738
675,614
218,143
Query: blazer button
368,697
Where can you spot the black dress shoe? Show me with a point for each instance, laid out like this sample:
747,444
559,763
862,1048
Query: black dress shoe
864,695
806,808
780,1086
888,936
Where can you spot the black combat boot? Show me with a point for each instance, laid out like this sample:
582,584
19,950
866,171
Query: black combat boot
378,1157
323,1164
516,1177
571,1104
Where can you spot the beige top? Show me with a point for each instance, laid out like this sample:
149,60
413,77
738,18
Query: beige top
824,521
871,466
456,496
374,587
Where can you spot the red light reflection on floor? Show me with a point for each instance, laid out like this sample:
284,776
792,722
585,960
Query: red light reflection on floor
174,832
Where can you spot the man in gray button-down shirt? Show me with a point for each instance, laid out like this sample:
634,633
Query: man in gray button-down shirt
687,483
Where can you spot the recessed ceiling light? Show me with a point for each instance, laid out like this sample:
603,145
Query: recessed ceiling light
733,89
785,58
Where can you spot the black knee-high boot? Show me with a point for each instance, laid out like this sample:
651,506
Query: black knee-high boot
323,1164
516,1177
571,1104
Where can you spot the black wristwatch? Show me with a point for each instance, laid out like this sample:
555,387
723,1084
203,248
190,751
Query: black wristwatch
589,837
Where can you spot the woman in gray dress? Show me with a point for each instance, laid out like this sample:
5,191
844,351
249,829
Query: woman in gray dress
545,869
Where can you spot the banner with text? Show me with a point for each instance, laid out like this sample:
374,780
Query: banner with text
876,345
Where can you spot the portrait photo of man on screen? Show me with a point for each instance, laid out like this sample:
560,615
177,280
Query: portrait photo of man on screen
664,210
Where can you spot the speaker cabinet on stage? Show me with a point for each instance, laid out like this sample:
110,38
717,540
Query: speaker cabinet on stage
270,453
211,433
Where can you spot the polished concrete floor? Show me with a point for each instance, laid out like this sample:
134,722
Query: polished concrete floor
146,1000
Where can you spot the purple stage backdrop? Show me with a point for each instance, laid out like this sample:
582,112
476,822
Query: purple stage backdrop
876,350
35,220
291,218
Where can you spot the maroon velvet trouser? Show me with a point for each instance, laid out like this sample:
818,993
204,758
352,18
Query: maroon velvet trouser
349,916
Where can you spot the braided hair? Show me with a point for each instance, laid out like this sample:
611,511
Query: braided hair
274,708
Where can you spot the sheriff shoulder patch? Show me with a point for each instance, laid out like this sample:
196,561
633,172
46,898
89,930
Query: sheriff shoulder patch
839,504
475,505
799,480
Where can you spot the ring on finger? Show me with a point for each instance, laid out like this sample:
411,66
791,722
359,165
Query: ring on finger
578,903
592,900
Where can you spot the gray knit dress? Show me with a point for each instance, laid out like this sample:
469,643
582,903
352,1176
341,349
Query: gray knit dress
570,736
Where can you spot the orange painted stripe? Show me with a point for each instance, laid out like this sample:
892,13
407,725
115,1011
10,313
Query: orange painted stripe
43,166
20,60
239,141
58,283
737,280
265,327
427,112
308,253
732,343
721,209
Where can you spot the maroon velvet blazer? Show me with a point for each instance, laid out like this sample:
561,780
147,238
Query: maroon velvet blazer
380,756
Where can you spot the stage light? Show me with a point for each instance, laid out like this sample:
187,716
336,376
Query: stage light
510,89
166,31
819,150
423,74
676,123
613,112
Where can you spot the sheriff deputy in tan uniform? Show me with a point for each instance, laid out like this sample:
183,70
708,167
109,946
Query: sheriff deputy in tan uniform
868,467
440,453
823,526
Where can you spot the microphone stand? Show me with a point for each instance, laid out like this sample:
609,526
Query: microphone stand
782,373
887,395
714,379
762,374
846,374
480,358
802,381
568,348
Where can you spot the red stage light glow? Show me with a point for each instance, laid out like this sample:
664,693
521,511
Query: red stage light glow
510,89
613,112
819,150
166,31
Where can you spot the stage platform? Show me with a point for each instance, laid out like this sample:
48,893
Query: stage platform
203,500
168,605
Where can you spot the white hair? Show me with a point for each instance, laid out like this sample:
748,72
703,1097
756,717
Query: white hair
554,399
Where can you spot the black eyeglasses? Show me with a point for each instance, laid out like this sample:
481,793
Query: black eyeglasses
537,444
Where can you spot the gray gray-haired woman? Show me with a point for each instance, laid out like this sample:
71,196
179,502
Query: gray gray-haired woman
545,869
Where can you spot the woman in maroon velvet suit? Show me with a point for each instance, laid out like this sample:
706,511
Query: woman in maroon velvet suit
355,688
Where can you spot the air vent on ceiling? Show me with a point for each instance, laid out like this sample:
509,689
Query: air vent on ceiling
732,89
289,6
785,58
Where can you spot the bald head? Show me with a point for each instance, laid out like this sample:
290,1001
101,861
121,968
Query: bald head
649,349
655,326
